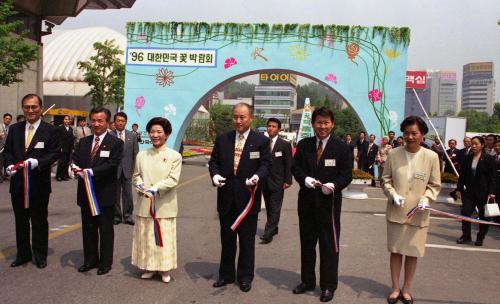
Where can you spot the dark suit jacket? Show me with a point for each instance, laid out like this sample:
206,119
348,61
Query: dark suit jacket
67,139
453,154
497,186
281,165
362,147
340,174
104,168
481,184
462,153
46,156
371,154
130,150
234,195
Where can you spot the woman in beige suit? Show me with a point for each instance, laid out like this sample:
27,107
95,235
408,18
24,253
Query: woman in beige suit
411,179
157,172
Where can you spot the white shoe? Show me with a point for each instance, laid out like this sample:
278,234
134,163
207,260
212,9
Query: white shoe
165,277
148,274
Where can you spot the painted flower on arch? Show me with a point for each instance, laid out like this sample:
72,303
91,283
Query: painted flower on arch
391,54
229,62
375,95
164,77
331,78
298,52
139,103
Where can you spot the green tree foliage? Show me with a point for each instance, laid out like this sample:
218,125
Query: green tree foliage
15,51
237,89
318,94
481,122
346,121
105,74
220,119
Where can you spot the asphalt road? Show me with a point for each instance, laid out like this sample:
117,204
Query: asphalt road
449,273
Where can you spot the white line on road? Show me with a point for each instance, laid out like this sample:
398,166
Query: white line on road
461,248
432,217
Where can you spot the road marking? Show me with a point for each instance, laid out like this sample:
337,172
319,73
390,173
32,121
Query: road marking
63,229
461,248
432,217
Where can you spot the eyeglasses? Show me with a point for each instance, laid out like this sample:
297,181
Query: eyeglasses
33,107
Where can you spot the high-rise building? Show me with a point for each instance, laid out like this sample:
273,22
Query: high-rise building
411,103
442,86
478,87
276,96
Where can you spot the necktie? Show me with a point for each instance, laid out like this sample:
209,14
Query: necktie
29,137
319,151
96,147
83,131
121,136
237,152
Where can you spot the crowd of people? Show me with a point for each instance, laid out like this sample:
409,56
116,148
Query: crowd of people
243,165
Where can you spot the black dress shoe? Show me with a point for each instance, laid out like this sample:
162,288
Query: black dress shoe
19,262
266,239
222,283
326,295
58,179
103,270
463,240
303,287
130,222
394,300
478,242
66,179
245,286
86,267
41,263
117,221
405,300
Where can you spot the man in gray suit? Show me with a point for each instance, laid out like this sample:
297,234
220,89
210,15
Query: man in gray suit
125,170
82,130
4,131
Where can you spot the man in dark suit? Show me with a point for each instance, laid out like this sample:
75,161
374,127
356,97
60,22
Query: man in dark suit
35,141
65,134
279,179
392,139
322,167
361,145
99,155
370,157
453,154
462,154
239,164
125,171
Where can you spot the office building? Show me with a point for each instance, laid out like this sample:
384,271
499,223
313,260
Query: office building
478,87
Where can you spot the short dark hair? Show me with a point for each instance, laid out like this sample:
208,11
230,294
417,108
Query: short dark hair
412,120
276,120
134,124
480,138
7,114
323,112
242,104
492,135
80,119
121,114
362,132
372,135
19,117
101,110
452,141
163,122
391,132
29,96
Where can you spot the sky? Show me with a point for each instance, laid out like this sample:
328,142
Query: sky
445,34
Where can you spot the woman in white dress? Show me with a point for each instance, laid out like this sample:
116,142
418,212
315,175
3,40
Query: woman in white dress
156,175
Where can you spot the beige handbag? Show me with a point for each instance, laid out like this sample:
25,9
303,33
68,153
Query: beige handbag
491,210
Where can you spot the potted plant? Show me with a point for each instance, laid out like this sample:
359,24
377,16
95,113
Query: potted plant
360,177
449,180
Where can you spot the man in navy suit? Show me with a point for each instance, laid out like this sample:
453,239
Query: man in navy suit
322,167
65,133
36,141
239,163
279,179
370,157
100,154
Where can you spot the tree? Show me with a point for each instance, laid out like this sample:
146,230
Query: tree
496,110
481,122
15,51
105,74
220,119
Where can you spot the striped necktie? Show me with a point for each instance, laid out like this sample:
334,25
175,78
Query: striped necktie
96,147
319,151
29,137
237,152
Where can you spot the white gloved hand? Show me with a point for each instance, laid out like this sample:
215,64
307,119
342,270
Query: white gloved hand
310,182
34,162
9,170
327,188
423,203
252,181
218,180
398,200
152,191
141,186
75,167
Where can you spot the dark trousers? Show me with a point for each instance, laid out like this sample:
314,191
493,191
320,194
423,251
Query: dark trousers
370,168
37,213
316,226
246,259
62,165
273,200
468,205
98,236
124,195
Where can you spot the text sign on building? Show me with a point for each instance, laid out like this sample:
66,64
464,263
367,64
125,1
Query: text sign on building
416,79
172,57
278,78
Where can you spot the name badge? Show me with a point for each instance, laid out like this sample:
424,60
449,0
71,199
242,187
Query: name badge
278,154
254,155
104,154
420,175
329,162
40,145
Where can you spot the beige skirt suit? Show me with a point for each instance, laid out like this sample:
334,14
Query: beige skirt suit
413,176
160,168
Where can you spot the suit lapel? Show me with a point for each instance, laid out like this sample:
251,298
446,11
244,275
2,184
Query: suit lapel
35,137
104,145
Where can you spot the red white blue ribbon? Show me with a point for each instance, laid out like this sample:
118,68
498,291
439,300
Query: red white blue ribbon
452,215
26,182
247,209
89,190
152,212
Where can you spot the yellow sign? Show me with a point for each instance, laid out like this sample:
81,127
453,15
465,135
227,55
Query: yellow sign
71,112
279,78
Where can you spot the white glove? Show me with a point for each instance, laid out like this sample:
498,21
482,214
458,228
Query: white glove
81,173
398,200
218,180
34,162
141,186
252,181
75,167
9,170
327,188
153,191
310,182
422,204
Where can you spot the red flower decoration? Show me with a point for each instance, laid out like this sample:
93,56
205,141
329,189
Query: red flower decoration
164,77
375,95
229,62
